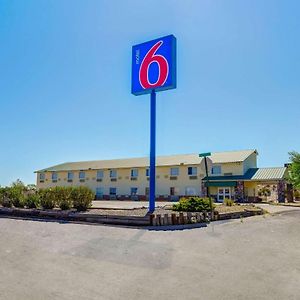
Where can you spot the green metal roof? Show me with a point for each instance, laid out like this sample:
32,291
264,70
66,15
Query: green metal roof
269,174
255,174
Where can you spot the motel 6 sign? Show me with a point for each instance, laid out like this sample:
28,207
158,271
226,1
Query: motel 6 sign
154,66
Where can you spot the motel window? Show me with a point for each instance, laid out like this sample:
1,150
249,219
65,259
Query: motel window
147,172
190,191
81,175
147,191
134,173
174,171
192,171
100,174
133,191
113,173
99,192
216,170
54,176
42,176
70,175
172,191
112,191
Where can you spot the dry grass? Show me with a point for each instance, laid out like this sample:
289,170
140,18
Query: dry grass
235,208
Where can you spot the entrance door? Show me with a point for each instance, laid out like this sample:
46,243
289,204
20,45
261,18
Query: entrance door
223,192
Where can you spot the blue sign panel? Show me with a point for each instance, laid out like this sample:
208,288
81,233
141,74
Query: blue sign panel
154,66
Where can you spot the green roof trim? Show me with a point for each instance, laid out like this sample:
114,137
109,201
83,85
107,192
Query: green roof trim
221,183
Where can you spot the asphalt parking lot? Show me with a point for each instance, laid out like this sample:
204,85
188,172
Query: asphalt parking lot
253,258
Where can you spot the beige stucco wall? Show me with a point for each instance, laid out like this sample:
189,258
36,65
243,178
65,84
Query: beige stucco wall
250,162
234,168
250,188
124,182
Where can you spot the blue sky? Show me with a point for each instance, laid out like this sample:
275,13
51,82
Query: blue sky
65,80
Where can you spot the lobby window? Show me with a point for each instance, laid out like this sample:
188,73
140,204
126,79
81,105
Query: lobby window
100,174
174,171
42,177
112,191
70,176
147,172
81,175
134,172
113,173
54,176
192,171
216,170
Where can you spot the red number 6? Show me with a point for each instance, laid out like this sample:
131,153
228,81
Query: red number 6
163,68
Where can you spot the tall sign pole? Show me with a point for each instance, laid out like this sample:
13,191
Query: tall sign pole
152,151
153,70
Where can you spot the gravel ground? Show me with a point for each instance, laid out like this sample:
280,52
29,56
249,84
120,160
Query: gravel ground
235,208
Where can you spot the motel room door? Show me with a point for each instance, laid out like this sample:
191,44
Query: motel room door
223,192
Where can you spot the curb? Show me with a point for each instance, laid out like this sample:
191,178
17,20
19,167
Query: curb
76,216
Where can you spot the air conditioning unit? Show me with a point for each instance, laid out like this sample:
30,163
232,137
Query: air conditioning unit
173,177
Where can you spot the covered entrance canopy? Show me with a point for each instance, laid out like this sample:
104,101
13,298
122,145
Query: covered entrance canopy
246,187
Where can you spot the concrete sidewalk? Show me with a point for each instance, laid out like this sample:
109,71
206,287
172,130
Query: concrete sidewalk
273,209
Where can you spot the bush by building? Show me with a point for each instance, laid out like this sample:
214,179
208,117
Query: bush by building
193,204
228,202
82,198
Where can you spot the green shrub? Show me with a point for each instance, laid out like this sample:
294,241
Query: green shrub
32,200
4,199
16,195
6,202
193,204
82,198
228,202
64,197
47,198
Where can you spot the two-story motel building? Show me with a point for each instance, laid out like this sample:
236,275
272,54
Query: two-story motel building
232,174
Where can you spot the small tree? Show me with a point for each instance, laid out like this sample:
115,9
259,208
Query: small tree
16,193
294,169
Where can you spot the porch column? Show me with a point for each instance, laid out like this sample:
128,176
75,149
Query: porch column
280,191
239,191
